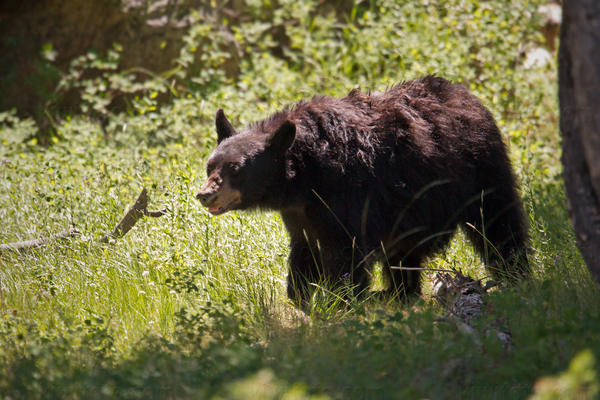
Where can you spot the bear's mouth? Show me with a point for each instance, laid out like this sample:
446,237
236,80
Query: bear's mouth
220,201
216,210
222,209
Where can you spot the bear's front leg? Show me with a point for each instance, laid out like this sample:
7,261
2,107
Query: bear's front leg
304,269
325,264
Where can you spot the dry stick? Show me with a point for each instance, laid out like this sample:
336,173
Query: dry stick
423,269
137,211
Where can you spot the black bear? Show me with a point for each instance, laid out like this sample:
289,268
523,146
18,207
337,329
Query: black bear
384,176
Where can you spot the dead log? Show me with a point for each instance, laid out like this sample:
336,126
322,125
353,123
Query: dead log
462,296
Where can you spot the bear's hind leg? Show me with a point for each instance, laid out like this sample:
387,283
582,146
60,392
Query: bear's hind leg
497,229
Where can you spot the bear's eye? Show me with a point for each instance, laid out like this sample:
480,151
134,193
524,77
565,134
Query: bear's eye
234,167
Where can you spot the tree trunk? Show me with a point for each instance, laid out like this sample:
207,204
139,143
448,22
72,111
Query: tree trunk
579,95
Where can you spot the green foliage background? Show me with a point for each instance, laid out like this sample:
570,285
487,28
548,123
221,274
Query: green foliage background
191,305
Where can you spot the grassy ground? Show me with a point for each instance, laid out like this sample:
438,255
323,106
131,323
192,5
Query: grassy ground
193,306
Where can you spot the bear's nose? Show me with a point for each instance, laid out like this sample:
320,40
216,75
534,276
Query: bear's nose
204,195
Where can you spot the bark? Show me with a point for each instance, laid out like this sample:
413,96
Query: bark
579,96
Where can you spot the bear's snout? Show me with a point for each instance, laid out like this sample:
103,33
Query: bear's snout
208,191
219,197
205,195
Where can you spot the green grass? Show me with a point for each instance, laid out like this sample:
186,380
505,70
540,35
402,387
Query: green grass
193,306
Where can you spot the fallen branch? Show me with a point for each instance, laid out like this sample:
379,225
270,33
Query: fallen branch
137,211
425,269
41,242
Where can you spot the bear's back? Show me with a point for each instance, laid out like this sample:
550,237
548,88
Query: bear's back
429,117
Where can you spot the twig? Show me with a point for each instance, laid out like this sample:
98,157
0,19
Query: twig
425,269
156,213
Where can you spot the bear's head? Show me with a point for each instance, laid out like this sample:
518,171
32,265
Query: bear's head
244,168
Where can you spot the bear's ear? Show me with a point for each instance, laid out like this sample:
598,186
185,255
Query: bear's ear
282,138
224,127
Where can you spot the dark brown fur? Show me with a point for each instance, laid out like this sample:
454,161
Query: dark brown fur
383,176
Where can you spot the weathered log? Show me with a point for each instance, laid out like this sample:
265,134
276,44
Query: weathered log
462,296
